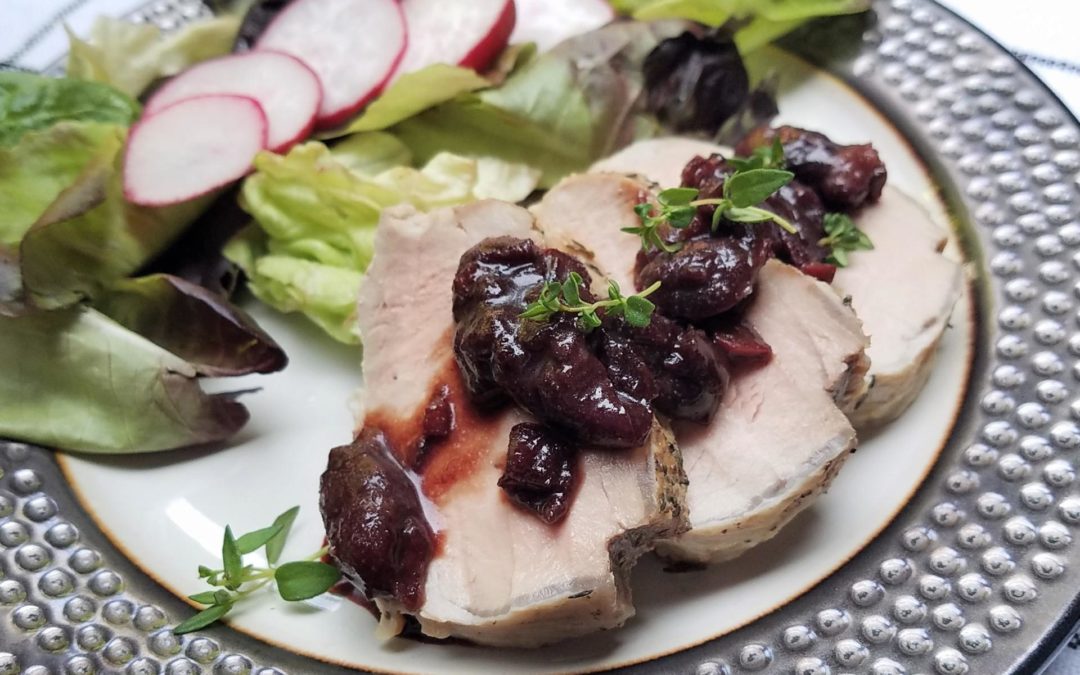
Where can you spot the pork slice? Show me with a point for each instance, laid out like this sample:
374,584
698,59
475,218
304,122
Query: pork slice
779,437
659,160
585,214
904,290
498,574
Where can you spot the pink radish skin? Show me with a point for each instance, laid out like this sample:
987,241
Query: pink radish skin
549,22
192,147
353,46
468,33
286,89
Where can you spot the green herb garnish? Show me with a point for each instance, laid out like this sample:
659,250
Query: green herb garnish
674,206
298,580
842,237
565,296
762,157
743,190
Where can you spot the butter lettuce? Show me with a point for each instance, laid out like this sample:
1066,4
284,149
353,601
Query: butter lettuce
45,162
76,379
557,113
413,93
762,20
33,103
316,212
89,236
369,154
131,56
217,338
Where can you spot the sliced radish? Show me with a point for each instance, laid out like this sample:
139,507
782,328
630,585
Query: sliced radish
468,33
352,45
191,147
288,91
549,22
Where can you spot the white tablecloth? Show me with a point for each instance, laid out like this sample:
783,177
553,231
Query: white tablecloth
1043,33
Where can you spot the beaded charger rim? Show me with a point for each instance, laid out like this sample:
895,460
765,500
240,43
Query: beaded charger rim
976,574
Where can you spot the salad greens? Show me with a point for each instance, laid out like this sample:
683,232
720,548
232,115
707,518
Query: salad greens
75,379
95,361
757,22
558,112
32,103
189,321
316,212
413,93
90,236
131,56
45,162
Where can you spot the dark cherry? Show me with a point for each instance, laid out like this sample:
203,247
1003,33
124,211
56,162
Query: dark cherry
695,83
547,368
374,520
706,277
845,176
540,471
684,371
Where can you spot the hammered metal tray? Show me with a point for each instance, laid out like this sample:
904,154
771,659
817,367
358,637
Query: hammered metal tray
976,575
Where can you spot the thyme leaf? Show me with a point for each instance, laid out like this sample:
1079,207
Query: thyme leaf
842,236
565,296
298,580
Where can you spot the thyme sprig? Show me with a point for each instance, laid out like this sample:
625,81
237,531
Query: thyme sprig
565,296
742,191
842,236
298,580
762,157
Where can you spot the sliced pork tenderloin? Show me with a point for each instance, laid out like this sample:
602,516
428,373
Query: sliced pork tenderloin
778,437
904,289
496,573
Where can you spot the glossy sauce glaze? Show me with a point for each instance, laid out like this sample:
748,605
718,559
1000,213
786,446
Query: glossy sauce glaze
373,490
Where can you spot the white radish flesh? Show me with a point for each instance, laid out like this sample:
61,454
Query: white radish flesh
468,33
286,89
352,45
192,147
549,22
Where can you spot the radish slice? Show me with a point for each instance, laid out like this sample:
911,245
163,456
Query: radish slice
468,33
288,91
549,22
189,148
352,45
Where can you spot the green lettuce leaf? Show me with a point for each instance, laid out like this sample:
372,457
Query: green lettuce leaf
34,102
369,154
89,236
77,380
413,93
43,164
325,294
470,127
131,56
764,20
316,219
557,113
215,337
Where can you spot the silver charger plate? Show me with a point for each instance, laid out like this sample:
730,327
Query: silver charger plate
976,575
